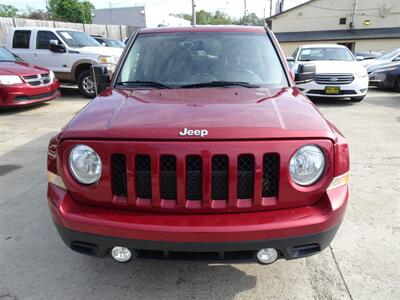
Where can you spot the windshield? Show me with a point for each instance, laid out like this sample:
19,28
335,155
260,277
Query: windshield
114,43
77,39
390,55
6,55
325,53
190,58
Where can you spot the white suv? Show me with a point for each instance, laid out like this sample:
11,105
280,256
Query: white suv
338,73
68,53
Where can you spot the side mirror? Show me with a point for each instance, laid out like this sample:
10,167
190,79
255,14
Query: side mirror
55,47
305,73
100,76
359,58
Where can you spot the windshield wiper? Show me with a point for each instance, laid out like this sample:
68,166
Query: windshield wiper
144,83
220,83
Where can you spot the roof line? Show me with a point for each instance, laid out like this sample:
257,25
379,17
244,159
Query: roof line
290,9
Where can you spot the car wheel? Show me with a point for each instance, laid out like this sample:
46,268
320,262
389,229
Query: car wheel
357,99
86,84
397,85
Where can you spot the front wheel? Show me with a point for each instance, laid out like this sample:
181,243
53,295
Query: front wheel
86,84
357,99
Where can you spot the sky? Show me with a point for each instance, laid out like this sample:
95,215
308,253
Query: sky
157,9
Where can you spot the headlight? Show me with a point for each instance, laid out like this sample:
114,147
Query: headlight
361,74
10,79
104,60
85,164
387,69
307,165
52,76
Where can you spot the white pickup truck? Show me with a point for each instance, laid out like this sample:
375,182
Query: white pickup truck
68,53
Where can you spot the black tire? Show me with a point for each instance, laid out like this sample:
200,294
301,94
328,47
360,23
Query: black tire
357,99
397,85
86,84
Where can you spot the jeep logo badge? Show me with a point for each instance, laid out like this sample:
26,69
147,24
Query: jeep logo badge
195,132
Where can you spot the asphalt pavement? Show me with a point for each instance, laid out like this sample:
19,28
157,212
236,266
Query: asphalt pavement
363,262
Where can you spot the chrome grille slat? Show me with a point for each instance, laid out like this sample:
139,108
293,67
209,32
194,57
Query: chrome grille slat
37,80
332,79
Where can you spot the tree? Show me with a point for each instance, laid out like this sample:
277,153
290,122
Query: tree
251,19
8,11
208,18
31,13
76,11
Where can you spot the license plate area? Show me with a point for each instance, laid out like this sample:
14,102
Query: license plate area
332,90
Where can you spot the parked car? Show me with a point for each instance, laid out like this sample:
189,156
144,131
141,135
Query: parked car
338,73
368,54
202,147
389,57
109,42
23,84
68,53
385,75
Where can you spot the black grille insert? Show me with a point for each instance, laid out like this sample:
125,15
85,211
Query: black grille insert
143,176
270,175
245,183
168,177
119,174
219,177
194,180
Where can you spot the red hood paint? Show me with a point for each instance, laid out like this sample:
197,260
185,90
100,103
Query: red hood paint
20,68
227,114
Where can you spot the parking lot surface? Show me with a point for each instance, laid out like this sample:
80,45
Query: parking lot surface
363,261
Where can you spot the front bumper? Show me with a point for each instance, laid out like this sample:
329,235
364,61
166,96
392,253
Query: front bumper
357,88
24,94
294,232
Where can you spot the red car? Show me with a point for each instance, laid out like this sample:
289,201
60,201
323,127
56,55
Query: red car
22,84
201,147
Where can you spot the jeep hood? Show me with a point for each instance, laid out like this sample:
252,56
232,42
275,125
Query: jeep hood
226,113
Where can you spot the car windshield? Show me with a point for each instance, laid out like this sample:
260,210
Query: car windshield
77,39
203,59
390,55
114,43
325,53
6,55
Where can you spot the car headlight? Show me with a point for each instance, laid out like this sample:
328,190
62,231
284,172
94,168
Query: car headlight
51,74
362,74
85,164
104,60
382,70
10,79
307,165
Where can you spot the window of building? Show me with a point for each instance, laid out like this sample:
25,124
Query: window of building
43,39
21,39
350,45
342,21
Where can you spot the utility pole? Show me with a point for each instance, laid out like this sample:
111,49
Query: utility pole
270,8
245,10
111,18
193,13
353,17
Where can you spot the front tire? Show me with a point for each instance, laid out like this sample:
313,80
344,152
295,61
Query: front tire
86,84
357,99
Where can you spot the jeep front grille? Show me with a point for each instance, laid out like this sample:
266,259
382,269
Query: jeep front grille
158,177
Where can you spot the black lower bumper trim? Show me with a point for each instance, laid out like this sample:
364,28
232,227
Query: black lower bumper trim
288,248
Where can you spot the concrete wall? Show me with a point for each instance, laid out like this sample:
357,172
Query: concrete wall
112,31
361,45
133,16
325,15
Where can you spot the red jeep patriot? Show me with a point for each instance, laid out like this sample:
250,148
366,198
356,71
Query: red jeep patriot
201,147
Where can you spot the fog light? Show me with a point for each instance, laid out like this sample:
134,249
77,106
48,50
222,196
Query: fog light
121,254
267,255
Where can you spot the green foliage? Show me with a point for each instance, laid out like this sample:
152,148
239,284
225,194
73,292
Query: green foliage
8,11
75,11
219,18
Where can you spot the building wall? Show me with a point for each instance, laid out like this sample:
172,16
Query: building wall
325,15
360,45
133,16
